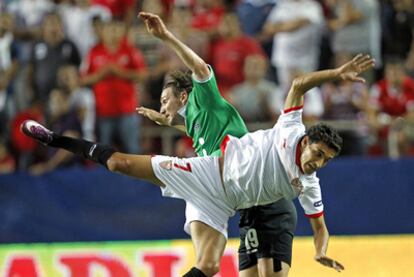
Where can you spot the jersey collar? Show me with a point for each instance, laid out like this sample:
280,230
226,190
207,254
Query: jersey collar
298,153
181,111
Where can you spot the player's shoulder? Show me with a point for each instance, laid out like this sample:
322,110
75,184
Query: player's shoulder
291,120
205,79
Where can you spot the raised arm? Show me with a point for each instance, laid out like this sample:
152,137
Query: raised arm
320,239
347,72
157,28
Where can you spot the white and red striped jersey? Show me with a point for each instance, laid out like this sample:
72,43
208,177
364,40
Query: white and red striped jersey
263,167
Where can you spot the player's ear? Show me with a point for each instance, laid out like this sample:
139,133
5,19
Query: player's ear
305,141
184,97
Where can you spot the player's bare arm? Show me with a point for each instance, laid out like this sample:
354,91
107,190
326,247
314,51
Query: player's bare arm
156,27
153,115
158,118
320,239
350,71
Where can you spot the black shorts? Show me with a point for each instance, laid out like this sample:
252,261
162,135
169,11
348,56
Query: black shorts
267,232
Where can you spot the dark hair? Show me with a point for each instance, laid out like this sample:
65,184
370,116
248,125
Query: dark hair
179,81
326,134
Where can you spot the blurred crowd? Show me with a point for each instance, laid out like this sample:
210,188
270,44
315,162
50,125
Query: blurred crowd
82,67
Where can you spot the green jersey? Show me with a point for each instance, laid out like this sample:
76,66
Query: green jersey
209,118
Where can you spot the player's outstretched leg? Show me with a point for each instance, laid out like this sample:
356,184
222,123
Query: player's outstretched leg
138,166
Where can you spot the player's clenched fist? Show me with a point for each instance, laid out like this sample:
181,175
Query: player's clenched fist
155,25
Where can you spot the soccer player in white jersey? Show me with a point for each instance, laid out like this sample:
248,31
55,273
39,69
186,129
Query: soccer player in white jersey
257,169
190,100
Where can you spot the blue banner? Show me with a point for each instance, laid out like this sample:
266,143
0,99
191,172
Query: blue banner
361,196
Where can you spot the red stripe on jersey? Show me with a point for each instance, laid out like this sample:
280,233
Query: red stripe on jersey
314,215
293,109
298,153
223,144
187,167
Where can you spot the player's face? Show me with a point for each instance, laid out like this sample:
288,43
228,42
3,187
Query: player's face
170,104
315,156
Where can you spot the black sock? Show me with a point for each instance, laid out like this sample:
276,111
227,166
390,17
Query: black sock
194,272
89,150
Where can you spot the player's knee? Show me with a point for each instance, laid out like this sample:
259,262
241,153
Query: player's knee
117,164
112,164
210,268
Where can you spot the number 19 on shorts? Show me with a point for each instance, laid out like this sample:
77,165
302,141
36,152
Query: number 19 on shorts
251,241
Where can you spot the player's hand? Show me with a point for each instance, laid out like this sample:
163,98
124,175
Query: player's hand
153,115
155,25
359,64
326,261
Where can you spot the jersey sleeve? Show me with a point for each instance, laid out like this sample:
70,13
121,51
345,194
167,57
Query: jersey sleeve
291,118
311,198
206,92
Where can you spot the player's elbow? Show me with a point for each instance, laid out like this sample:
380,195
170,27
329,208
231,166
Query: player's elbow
297,83
297,88
201,69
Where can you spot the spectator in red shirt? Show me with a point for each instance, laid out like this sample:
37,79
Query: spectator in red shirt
208,15
229,51
112,68
391,104
7,161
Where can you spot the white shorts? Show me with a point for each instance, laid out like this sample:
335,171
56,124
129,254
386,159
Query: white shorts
198,182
